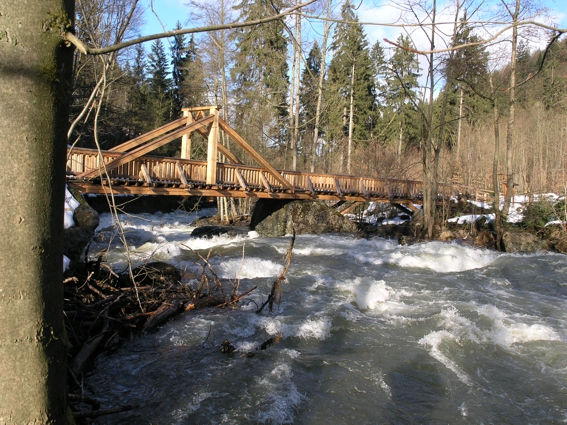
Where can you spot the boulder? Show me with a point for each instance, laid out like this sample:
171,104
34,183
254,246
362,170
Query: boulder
86,217
561,246
305,217
207,232
446,235
485,238
522,242
76,238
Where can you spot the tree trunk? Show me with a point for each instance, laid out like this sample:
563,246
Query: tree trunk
495,162
320,85
511,115
35,90
430,152
460,127
350,118
297,87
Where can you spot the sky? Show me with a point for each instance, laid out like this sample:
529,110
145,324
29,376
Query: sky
170,12
163,15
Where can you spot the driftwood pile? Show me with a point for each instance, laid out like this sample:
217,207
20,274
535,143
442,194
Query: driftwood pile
103,308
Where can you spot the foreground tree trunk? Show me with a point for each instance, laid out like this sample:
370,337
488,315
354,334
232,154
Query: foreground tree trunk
35,69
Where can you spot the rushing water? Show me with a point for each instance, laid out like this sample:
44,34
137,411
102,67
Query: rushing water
372,333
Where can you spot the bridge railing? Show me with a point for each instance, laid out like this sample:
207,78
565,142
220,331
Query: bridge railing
177,171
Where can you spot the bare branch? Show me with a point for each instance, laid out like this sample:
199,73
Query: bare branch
86,50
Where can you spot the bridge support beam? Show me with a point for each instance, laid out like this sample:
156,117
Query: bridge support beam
186,139
212,150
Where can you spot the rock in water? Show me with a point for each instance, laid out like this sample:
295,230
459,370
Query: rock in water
305,217
76,238
522,242
86,217
207,232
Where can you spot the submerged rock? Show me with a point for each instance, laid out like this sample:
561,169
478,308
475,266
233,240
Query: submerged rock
305,217
207,232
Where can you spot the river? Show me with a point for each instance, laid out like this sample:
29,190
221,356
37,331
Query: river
371,333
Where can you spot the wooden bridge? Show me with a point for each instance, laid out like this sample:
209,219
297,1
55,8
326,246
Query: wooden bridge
128,169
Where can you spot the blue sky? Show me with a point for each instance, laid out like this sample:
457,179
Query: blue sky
171,11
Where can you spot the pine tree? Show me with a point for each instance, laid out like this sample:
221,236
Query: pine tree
138,116
351,83
192,87
160,96
260,74
160,92
401,92
179,58
308,101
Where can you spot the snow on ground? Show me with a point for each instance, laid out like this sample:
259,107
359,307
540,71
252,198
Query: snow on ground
372,216
516,207
70,205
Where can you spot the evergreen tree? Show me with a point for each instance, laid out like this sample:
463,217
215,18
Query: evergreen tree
552,78
179,58
160,96
260,74
160,90
138,116
401,94
466,73
192,87
351,82
380,67
308,101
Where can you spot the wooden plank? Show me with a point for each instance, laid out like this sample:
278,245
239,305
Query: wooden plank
201,108
87,187
265,182
131,144
181,174
142,150
255,155
212,149
229,155
186,138
241,179
350,208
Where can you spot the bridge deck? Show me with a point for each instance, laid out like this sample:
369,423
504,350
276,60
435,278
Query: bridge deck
128,169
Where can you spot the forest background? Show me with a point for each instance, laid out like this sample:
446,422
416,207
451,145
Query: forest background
312,93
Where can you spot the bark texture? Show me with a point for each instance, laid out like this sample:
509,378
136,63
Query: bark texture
34,90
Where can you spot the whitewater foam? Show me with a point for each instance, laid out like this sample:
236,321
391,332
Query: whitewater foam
318,328
282,396
507,331
436,256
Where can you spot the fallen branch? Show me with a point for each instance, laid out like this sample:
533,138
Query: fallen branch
162,314
88,349
276,290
